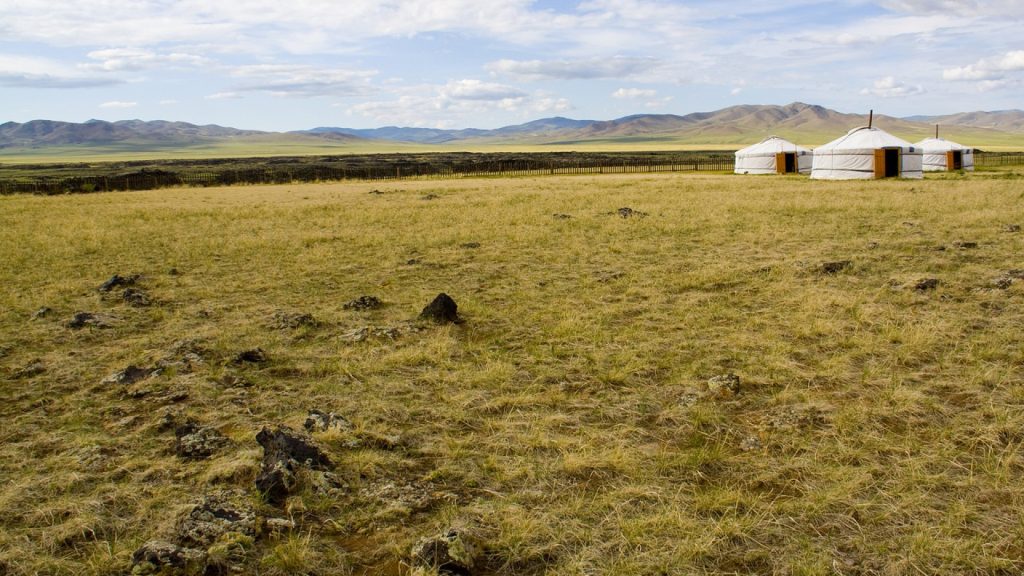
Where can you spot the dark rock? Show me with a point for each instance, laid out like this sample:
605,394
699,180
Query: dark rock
939,248
292,320
628,212
926,284
376,192
1011,228
157,557
173,272
41,313
118,280
253,356
835,267
452,552
129,375
412,261
724,385
284,451
363,303
83,319
219,513
196,442
470,245
441,310
430,197
559,216
964,245
136,297
318,421
1002,282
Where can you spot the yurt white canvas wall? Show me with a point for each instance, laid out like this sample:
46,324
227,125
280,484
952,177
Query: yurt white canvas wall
866,153
773,155
939,155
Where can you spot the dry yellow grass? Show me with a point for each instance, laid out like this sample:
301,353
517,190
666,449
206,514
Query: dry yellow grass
567,423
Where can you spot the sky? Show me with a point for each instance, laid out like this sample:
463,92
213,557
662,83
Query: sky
298,64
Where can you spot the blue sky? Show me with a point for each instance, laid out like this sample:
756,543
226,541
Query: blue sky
272,65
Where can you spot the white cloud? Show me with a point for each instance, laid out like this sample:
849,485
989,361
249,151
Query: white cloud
633,93
477,90
302,80
168,102
579,69
987,68
994,8
223,96
32,72
119,104
134,59
889,87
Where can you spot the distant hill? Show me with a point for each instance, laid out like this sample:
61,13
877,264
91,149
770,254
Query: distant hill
737,126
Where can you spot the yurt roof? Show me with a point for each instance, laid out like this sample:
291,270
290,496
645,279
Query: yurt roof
939,145
771,145
864,138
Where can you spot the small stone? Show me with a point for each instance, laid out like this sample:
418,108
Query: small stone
219,513
83,319
926,284
1002,282
136,297
129,375
318,421
253,356
363,303
412,261
452,552
835,267
118,280
234,381
1011,228
33,368
470,245
430,197
41,313
173,272
284,451
278,526
559,216
627,212
160,558
724,385
442,310
872,245
964,245
292,320
751,443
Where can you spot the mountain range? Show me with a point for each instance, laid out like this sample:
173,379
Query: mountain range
736,125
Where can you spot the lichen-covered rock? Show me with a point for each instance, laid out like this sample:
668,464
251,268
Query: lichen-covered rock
282,320
158,557
835,267
363,303
318,421
724,385
252,356
118,280
196,442
925,284
284,451
452,552
218,514
83,319
136,297
129,375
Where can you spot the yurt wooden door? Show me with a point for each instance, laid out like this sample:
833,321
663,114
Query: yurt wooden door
785,162
954,160
887,162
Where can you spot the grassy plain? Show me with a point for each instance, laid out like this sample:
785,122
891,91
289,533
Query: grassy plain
567,426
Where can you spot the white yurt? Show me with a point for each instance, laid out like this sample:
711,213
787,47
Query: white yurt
941,155
773,155
866,153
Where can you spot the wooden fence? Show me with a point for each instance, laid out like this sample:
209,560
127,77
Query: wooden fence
397,169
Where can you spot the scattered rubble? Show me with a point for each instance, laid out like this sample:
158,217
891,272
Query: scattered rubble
724,385
796,417
363,303
965,245
196,442
452,552
926,284
284,451
442,310
362,334
117,280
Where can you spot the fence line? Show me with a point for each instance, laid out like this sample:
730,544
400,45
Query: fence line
284,172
